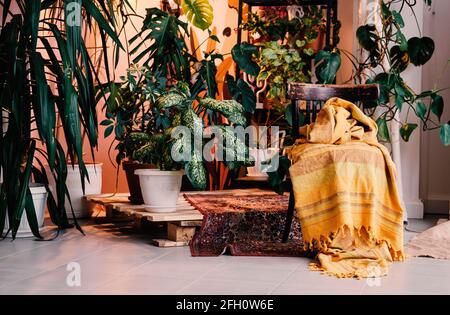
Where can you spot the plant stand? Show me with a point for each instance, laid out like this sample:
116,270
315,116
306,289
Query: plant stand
181,225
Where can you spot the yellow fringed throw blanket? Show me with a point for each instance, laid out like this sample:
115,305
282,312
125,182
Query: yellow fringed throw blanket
346,196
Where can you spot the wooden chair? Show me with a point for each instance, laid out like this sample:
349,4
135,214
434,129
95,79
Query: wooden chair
307,100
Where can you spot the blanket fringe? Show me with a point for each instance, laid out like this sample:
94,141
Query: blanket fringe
323,243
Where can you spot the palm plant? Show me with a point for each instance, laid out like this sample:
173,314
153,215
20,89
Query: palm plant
46,72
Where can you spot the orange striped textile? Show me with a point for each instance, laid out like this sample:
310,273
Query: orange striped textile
346,195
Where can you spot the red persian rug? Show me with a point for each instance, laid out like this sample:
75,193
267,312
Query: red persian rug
244,224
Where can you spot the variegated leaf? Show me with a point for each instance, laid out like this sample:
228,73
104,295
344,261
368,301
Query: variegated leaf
170,100
195,170
231,109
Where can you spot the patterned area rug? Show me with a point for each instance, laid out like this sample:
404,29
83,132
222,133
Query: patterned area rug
244,224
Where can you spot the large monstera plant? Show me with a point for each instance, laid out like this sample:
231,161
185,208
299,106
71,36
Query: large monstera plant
46,72
191,112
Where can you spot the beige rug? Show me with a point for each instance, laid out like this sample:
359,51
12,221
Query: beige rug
434,242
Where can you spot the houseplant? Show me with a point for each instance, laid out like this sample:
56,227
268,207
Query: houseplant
388,54
165,57
182,144
45,68
130,109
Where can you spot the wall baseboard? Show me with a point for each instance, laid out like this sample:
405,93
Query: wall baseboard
414,209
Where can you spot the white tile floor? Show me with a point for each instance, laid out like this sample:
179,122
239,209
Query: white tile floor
114,263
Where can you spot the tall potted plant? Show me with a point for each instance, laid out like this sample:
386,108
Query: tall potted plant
130,110
45,70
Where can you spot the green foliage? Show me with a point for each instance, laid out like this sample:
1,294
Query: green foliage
154,143
278,179
279,66
167,50
198,12
390,53
231,109
245,56
327,65
445,134
45,69
420,50
406,130
242,92
274,27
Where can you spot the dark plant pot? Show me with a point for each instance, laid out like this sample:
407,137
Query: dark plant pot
133,180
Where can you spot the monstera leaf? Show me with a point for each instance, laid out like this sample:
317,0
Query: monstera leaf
242,92
162,44
327,65
420,50
198,12
399,59
243,54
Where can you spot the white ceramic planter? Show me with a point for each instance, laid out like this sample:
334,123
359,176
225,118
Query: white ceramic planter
160,189
39,194
73,182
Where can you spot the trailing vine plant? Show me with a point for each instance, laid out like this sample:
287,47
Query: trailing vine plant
389,54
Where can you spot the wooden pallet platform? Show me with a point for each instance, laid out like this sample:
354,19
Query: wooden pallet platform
181,225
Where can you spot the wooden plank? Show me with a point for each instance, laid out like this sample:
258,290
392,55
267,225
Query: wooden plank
168,243
108,198
189,223
179,233
187,215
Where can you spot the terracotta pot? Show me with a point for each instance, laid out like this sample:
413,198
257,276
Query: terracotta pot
133,180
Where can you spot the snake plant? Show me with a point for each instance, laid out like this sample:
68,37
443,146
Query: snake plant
46,71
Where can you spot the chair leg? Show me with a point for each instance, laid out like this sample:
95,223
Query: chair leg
289,217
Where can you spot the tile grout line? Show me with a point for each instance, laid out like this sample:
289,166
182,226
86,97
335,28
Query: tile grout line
130,270
284,279
44,243
58,266
201,277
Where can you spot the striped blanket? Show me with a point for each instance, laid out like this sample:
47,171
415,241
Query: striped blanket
346,195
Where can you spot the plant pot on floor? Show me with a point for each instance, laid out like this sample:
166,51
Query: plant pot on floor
39,194
133,180
160,189
73,182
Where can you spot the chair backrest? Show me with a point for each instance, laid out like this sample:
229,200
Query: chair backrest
308,99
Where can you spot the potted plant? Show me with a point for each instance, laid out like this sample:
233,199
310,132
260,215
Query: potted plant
166,61
180,146
388,53
130,110
45,69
